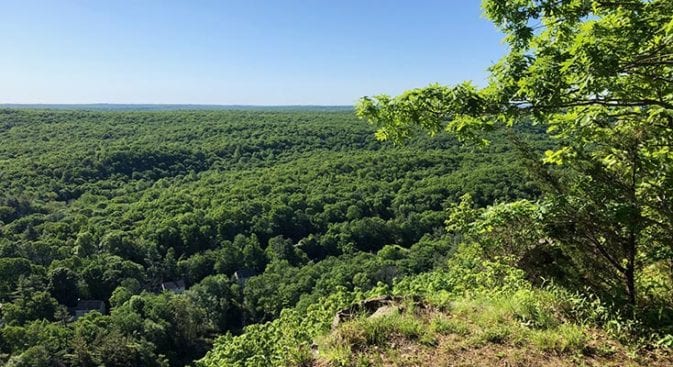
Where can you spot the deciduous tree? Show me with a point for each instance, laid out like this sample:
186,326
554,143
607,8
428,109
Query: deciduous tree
599,76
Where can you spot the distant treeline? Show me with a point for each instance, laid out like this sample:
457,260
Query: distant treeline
174,107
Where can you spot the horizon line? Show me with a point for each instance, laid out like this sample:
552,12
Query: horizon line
176,104
168,107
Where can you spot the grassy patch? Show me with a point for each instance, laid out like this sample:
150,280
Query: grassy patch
444,325
341,346
497,335
566,338
519,327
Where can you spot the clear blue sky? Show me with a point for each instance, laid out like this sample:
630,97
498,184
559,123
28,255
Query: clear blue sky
272,52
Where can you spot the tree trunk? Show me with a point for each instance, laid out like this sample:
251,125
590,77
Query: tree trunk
634,232
631,278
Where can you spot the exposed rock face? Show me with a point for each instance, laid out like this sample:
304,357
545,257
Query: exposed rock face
376,307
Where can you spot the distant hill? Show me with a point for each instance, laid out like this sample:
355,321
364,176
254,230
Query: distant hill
174,107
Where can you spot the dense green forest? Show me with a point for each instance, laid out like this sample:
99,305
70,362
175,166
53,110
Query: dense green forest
525,222
108,206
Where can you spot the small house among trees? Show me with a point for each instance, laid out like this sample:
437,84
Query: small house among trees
85,306
242,275
177,286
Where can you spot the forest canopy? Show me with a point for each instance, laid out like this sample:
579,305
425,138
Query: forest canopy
254,211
